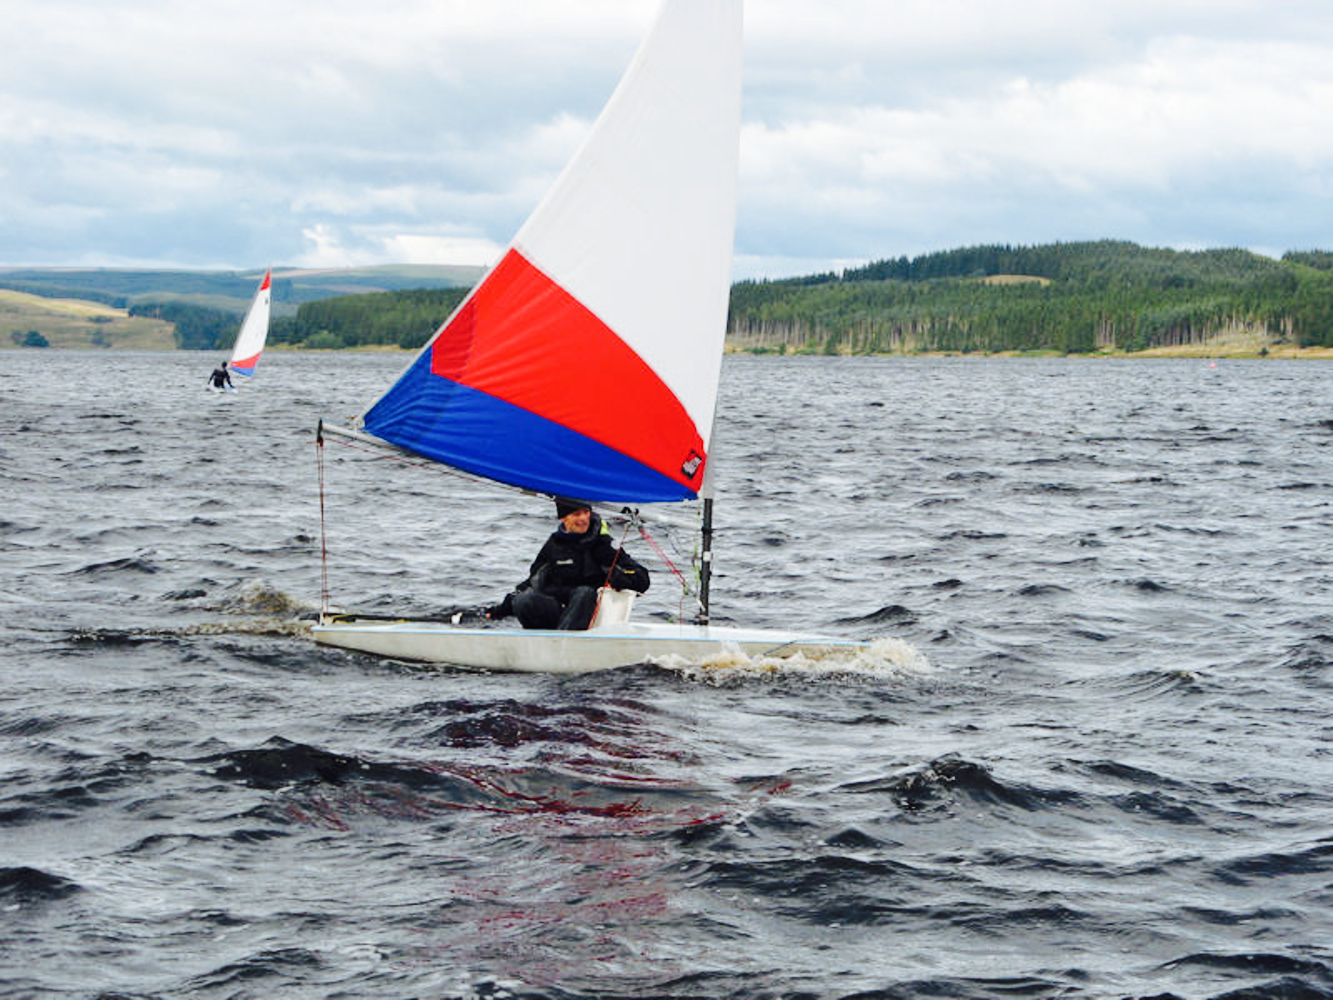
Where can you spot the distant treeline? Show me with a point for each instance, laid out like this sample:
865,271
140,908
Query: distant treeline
398,319
198,328
1061,297
395,319
1064,297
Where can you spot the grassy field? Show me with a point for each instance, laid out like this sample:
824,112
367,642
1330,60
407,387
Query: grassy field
77,323
1276,351
1014,279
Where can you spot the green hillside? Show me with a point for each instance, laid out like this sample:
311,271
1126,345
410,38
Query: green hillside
1079,298
33,321
1086,298
385,319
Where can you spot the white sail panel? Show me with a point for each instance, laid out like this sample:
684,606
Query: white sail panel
639,227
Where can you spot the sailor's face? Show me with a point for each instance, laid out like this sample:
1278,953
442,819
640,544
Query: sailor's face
577,522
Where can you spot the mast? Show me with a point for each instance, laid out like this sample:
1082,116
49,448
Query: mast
705,563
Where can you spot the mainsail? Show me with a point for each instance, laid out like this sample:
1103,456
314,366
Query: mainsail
587,361
254,331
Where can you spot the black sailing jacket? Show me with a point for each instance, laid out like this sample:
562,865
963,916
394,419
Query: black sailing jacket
568,560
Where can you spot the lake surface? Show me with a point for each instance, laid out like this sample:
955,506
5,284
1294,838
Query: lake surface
1093,756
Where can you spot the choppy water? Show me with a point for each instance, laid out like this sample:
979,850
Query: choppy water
1098,766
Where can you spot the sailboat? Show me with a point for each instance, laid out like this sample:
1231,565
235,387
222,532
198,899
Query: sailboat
625,264
254,331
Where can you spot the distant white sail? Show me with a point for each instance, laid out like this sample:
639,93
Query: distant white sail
254,331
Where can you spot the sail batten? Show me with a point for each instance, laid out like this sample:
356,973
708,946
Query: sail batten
587,360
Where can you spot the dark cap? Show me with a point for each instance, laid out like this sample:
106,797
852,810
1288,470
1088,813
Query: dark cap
565,506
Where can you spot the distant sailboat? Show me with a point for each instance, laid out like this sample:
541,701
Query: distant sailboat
254,331
629,259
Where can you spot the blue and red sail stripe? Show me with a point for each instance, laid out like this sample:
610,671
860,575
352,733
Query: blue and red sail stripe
526,386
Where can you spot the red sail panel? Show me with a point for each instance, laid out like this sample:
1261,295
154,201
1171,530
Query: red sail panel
524,340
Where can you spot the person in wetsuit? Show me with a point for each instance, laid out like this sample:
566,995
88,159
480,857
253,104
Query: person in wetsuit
221,378
561,589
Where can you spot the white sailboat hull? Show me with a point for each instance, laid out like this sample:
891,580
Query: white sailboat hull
541,651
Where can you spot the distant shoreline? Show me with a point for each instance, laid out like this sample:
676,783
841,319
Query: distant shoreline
1269,352
1277,352
1273,352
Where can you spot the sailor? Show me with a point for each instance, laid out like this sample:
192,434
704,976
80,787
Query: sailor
561,589
221,378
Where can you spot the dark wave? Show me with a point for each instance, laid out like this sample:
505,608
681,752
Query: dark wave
29,887
107,637
889,614
948,779
1310,656
973,535
71,792
32,725
1316,977
266,972
1146,684
1158,806
1126,773
1316,859
115,567
513,723
187,594
281,762
327,789
1064,489
1042,590
1147,586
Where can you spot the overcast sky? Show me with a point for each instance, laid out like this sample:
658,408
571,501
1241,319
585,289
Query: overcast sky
219,133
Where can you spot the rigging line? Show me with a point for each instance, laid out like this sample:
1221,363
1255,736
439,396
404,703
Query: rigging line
684,584
323,534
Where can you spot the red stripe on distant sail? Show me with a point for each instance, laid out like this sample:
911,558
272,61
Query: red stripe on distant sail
523,339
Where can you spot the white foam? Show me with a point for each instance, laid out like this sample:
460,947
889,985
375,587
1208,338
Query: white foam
883,658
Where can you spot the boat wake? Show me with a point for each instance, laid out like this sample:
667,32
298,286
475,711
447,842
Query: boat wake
883,658
258,597
274,627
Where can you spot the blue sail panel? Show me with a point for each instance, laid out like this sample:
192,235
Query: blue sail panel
459,426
